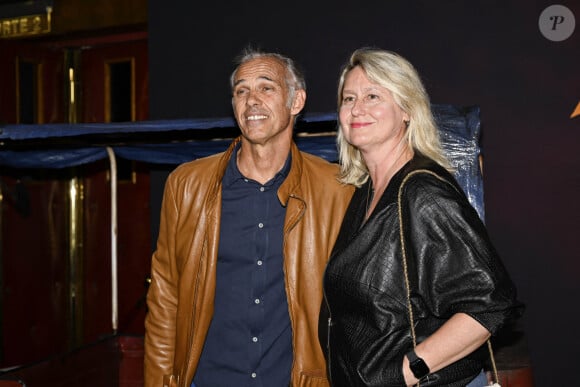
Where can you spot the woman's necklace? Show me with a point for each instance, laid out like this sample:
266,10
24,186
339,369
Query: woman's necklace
370,197
374,195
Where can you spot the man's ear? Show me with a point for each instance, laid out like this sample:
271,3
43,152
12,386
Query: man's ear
299,102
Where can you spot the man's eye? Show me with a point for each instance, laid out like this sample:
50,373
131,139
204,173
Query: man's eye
240,92
347,100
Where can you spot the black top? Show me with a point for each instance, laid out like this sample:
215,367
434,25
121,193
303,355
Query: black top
452,267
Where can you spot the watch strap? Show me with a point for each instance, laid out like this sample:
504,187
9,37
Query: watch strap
417,365
412,356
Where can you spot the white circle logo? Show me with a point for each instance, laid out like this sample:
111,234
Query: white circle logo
557,23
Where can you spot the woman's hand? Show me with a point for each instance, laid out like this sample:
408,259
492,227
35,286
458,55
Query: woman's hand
454,340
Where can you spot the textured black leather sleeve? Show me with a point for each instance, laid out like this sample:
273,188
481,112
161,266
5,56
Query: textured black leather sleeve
453,265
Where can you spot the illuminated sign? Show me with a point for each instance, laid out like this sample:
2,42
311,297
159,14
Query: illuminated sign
27,25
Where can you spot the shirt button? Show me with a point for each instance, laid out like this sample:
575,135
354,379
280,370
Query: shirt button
257,301
259,263
255,339
262,189
254,375
261,225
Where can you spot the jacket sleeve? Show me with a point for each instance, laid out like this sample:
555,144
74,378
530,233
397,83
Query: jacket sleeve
452,261
162,297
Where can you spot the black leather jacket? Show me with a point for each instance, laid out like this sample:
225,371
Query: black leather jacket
452,267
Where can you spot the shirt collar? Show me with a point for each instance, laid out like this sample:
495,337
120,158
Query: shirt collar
232,173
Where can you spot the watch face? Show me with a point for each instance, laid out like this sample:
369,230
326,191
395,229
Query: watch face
419,368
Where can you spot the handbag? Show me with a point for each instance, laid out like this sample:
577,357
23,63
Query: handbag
495,381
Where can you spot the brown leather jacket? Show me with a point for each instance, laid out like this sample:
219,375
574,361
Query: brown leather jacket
183,268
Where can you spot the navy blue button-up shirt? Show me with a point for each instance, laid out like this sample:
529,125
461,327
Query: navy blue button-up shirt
249,342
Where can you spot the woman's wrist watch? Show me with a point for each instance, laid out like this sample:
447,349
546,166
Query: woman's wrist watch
417,365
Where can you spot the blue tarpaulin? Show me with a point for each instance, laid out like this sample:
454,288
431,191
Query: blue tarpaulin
161,142
178,141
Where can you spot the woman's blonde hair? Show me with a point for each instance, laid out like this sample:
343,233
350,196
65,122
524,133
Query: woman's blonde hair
396,74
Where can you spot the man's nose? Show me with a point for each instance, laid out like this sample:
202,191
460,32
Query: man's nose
253,98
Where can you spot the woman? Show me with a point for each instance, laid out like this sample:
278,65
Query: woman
458,290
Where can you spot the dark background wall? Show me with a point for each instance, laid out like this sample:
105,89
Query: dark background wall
489,53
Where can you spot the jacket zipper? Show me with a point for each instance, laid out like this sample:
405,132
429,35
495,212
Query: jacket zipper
328,360
188,359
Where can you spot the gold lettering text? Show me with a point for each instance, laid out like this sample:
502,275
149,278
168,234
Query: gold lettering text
25,25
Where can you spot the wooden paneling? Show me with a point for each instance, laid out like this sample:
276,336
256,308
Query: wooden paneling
55,268
73,15
35,289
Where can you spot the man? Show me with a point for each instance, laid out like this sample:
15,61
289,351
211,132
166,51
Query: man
243,242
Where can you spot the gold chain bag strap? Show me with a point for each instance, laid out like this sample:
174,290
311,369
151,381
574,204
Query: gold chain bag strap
405,270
